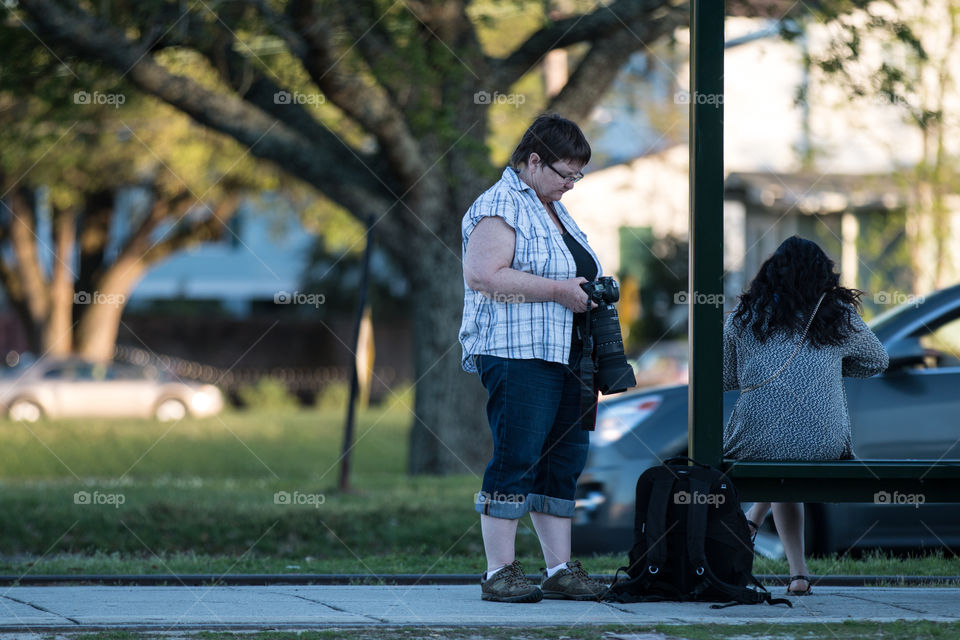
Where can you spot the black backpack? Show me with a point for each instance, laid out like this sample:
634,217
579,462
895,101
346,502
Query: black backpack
690,540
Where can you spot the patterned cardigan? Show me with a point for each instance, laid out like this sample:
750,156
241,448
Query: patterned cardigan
802,413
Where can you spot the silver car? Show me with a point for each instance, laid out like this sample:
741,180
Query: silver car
910,411
73,388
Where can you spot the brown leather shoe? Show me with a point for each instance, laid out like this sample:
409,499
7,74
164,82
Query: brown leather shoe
571,583
509,584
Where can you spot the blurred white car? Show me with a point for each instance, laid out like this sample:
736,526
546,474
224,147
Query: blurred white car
662,364
73,388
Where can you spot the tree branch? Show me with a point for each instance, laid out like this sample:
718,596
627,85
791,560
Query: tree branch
138,244
599,67
280,24
206,230
602,22
370,106
343,177
378,50
217,43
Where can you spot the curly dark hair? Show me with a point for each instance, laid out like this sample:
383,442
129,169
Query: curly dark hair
785,291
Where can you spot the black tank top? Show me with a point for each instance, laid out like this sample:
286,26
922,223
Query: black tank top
586,268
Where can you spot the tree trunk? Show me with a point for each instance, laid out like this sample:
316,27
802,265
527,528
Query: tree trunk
449,433
36,296
99,317
92,236
58,331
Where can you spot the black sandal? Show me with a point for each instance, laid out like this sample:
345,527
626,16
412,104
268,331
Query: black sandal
756,530
799,592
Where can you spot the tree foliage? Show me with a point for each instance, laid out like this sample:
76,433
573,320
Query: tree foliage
907,54
99,182
386,108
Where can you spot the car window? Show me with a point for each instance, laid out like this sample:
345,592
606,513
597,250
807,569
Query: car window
56,373
125,372
943,344
88,372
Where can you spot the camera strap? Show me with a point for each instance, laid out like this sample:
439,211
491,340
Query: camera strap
588,379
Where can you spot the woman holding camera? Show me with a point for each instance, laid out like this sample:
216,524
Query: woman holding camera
786,346
524,262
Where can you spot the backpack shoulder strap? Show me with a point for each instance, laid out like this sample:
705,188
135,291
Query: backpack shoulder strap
741,595
656,532
697,524
696,552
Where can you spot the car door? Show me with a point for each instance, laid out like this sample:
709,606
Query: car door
132,392
912,411
79,390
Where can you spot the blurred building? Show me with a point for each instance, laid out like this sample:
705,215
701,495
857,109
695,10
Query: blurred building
262,255
831,169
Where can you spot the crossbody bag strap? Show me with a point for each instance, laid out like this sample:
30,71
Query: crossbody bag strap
803,339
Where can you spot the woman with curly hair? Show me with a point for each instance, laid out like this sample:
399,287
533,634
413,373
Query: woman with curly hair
792,337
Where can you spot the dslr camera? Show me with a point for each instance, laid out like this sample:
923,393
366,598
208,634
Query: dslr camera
613,374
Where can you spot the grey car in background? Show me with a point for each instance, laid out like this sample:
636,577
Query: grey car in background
72,388
912,412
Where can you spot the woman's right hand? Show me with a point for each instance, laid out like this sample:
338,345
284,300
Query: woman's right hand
570,294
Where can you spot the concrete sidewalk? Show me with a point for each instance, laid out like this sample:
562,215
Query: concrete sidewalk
59,608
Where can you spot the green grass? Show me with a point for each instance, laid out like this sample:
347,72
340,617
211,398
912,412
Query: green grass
199,496
899,630
936,563
298,446
430,561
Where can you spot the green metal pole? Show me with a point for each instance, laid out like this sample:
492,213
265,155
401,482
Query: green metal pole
705,292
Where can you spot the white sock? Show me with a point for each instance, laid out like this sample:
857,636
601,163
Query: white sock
553,570
489,574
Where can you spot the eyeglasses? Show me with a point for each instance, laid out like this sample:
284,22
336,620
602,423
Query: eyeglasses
570,179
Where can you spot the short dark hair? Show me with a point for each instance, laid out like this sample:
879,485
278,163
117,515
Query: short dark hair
553,138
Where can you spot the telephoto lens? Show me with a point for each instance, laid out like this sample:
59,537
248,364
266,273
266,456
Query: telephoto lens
614,374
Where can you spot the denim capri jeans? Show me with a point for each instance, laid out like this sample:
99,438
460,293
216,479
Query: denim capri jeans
539,448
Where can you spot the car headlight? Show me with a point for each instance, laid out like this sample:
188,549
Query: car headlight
617,420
